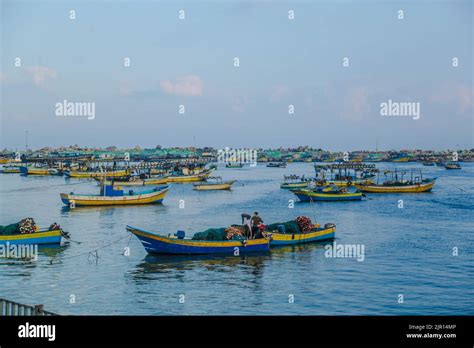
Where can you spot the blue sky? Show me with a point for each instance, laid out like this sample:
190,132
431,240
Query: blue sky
190,62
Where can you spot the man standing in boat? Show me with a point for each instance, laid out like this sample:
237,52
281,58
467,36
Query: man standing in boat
256,221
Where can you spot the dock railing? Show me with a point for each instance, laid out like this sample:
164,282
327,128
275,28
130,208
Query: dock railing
10,308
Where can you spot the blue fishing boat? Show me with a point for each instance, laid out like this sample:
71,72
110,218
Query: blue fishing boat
26,232
160,244
44,236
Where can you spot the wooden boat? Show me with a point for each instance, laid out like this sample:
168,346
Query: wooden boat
43,236
82,175
234,165
217,185
344,183
276,165
135,182
110,195
161,244
10,170
317,234
189,178
401,158
294,182
30,170
294,185
4,160
345,174
328,193
404,186
452,165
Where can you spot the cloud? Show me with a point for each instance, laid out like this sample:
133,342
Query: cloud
41,74
190,85
460,95
278,93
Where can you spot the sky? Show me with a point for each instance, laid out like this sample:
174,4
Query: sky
190,62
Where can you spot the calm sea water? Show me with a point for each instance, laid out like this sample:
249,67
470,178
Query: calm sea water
408,251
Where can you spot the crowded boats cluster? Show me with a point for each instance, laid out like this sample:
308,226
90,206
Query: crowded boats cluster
122,180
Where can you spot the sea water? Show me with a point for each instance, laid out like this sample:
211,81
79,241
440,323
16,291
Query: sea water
418,250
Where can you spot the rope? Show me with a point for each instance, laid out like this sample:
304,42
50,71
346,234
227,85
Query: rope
92,253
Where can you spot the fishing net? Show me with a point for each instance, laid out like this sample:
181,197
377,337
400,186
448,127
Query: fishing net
10,229
211,234
289,227
304,223
27,225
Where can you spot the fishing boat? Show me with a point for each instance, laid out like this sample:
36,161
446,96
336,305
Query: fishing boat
31,170
43,236
294,182
401,158
26,232
452,165
155,243
10,169
317,234
189,178
397,183
134,181
112,195
405,186
345,174
215,184
328,193
4,160
95,174
276,165
234,165
428,164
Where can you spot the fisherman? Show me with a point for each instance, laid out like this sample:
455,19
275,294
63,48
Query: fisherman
256,221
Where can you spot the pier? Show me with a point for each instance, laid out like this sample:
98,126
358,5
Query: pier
11,308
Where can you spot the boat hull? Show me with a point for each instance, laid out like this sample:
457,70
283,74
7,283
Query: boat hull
188,178
344,183
318,235
417,188
80,175
84,200
157,244
143,182
40,237
10,170
307,196
297,185
214,187
33,171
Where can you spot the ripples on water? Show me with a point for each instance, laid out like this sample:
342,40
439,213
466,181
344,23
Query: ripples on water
407,251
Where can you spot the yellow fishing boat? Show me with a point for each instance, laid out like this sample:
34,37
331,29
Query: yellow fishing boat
136,182
344,183
5,160
399,187
30,170
211,186
115,196
189,178
82,175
